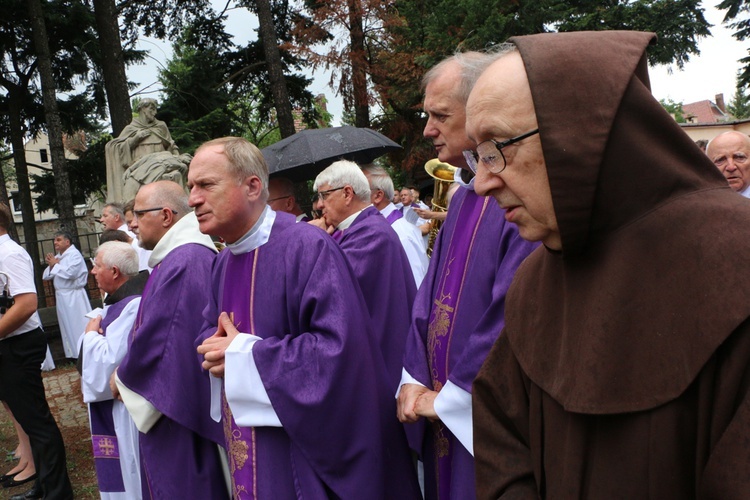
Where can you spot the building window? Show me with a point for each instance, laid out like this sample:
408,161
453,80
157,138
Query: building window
15,202
43,155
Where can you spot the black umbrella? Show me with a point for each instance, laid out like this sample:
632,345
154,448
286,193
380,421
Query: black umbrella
305,154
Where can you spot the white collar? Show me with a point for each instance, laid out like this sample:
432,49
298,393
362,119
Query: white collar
257,236
184,231
388,209
457,178
349,220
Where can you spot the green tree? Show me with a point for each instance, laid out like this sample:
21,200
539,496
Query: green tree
674,109
21,99
737,18
213,88
419,34
739,105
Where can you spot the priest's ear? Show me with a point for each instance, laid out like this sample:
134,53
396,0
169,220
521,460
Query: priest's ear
253,187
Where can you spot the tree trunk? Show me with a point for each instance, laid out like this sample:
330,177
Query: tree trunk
24,188
54,124
113,65
279,90
359,65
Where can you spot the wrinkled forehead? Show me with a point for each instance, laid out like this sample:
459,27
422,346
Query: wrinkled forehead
728,144
500,104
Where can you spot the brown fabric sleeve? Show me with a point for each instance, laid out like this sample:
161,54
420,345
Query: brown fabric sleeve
726,473
503,461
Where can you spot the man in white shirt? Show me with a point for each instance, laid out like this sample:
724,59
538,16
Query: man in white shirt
113,217
22,349
69,274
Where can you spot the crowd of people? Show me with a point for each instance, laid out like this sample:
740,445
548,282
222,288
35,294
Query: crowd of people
578,331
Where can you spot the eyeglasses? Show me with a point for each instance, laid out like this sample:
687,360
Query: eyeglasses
737,158
487,152
323,195
278,198
139,213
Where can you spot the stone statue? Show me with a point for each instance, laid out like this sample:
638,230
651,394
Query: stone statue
154,167
143,136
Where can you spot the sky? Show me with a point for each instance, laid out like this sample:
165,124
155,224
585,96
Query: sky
712,72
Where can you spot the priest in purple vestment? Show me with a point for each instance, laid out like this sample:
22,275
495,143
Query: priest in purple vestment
296,374
459,309
159,379
375,254
381,192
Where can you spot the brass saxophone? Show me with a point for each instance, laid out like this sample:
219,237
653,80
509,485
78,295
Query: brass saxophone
443,174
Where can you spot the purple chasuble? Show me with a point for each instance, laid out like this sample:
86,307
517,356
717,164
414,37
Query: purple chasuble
297,293
103,437
179,456
457,316
394,216
382,270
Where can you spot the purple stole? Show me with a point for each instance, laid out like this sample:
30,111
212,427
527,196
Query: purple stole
104,440
440,329
337,235
236,298
394,216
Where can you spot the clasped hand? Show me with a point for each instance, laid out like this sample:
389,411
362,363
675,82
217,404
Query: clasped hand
214,347
415,401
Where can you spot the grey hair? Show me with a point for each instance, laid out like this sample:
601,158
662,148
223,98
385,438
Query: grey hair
379,179
245,159
65,234
344,172
471,65
171,195
115,209
118,254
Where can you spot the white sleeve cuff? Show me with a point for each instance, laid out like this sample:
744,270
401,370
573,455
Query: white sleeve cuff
246,395
215,398
144,414
406,378
453,407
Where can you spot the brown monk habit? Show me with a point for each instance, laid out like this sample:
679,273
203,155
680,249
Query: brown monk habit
624,367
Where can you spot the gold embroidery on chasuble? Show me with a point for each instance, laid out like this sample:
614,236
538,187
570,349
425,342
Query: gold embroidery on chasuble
237,448
442,443
437,330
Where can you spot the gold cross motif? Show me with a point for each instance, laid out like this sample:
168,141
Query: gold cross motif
106,446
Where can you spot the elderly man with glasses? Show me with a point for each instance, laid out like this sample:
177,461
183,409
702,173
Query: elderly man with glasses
458,312
159,379
375,254
281,198
623,369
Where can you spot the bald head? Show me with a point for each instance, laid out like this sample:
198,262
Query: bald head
158,207
500,108
730,152
281,196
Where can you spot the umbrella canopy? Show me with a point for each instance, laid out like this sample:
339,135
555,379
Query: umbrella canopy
305,154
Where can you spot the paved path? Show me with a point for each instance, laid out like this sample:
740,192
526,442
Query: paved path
63,389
